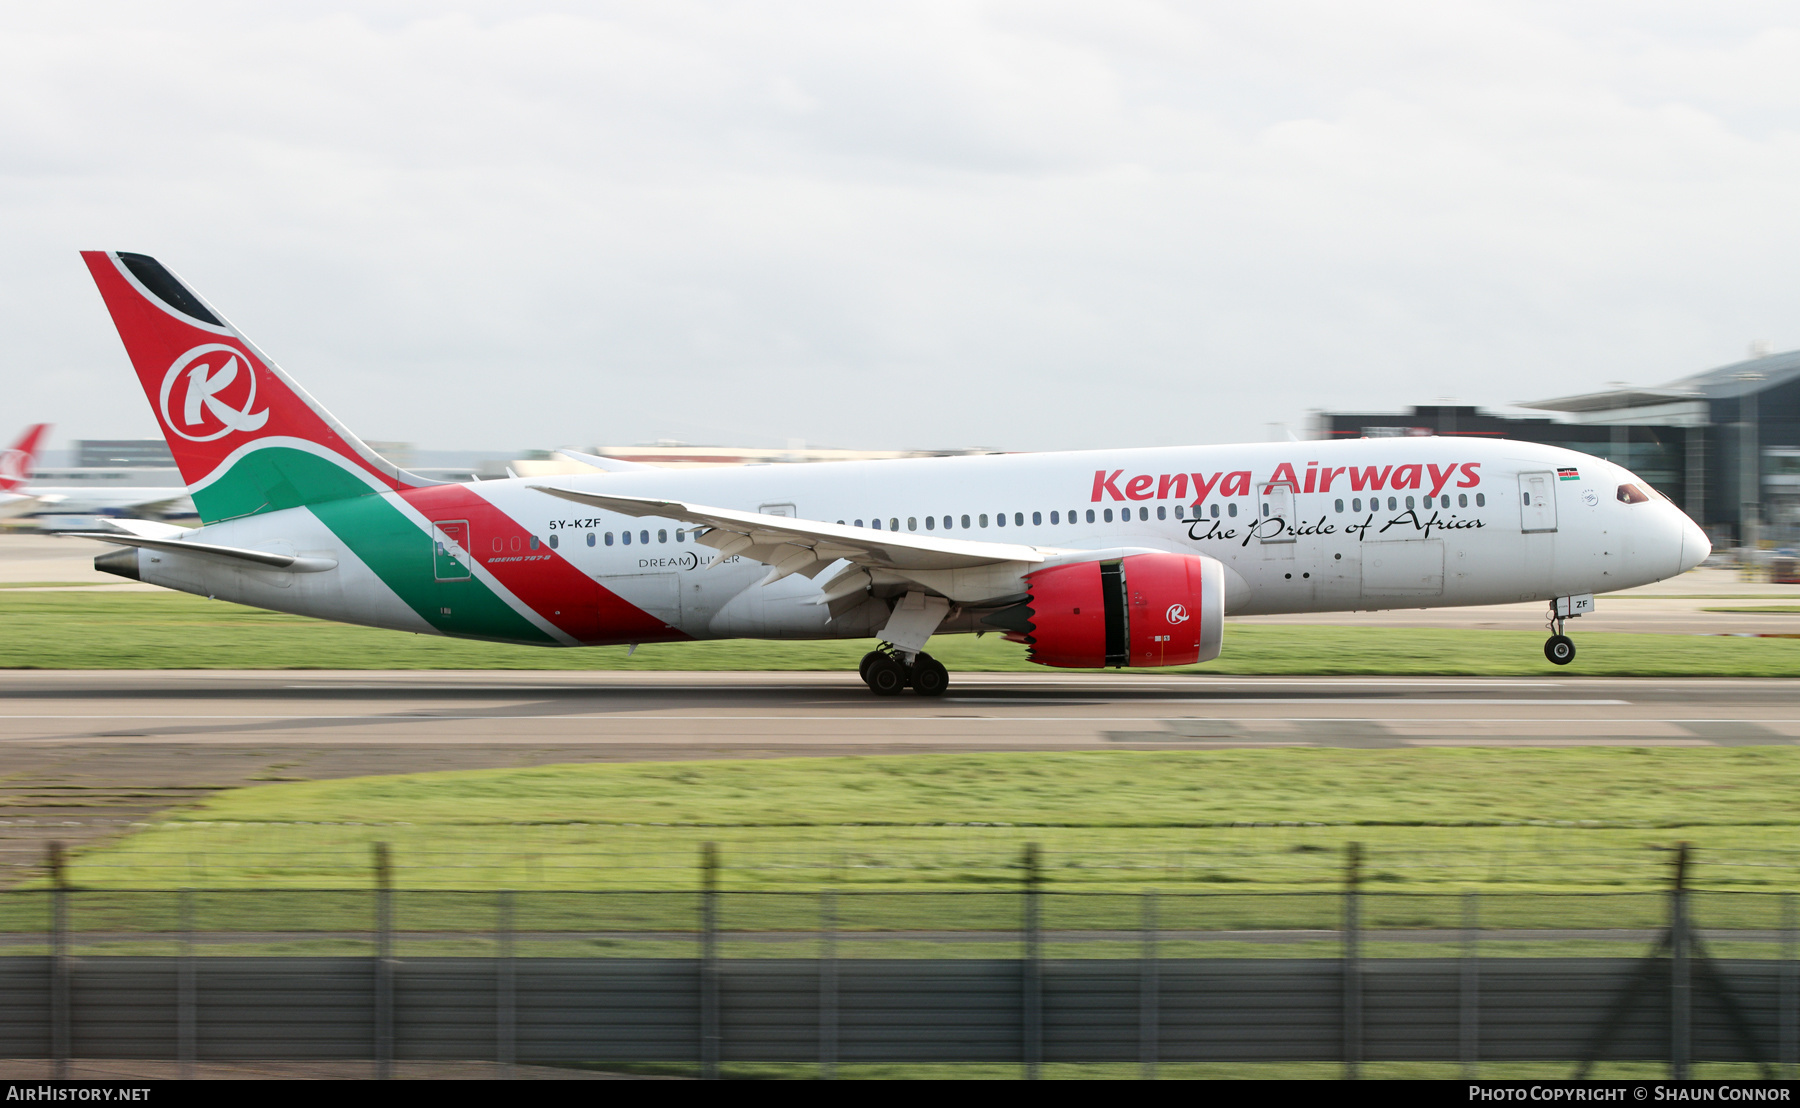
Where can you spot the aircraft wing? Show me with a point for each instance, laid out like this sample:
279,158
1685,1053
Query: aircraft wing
807,546
14,503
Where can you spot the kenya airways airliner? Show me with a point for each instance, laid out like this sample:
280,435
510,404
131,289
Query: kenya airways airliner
1127,557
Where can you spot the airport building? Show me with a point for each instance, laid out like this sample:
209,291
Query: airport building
1723,444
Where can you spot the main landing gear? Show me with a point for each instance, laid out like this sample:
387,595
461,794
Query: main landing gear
887,673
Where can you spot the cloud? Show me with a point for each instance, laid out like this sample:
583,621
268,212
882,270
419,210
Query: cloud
1014,225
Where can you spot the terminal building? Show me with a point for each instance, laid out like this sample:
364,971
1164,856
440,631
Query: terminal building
1723,444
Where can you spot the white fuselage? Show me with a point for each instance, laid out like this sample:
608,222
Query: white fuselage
1455,521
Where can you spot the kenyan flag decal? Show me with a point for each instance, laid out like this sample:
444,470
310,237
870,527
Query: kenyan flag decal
1568,473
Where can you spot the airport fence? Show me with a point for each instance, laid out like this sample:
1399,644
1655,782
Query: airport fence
1025,976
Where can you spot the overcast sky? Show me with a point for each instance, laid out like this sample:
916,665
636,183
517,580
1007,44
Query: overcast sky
1026,225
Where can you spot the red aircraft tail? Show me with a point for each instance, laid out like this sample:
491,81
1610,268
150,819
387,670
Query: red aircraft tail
17,462
245,436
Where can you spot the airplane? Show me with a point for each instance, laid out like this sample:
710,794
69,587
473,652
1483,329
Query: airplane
1089,559
15,470
19,496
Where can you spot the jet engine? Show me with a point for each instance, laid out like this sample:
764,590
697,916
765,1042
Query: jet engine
1139,610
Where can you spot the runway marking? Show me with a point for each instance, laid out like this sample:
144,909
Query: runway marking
1199,700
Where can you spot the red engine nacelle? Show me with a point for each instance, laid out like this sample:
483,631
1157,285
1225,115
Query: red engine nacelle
1140,610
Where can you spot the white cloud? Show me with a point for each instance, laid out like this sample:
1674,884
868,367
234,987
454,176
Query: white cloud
1021,225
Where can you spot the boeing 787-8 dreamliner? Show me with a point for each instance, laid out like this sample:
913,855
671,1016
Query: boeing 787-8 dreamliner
1127,557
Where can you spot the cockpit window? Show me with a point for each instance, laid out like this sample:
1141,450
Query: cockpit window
1631,494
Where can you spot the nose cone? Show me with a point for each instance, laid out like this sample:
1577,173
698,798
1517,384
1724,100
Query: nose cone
1695,546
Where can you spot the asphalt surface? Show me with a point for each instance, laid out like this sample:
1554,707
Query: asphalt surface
88,753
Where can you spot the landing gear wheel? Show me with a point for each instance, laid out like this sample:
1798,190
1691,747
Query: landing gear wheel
929,677
862,669
886,676
1560,649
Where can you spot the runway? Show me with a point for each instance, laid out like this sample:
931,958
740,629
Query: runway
88,753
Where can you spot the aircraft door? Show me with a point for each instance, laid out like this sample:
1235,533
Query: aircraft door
450,559
451,565
1537,502
1276,503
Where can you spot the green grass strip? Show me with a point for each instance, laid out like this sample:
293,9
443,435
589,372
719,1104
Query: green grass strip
134,630
1432,819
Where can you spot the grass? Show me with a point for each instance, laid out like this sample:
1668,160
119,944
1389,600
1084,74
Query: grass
55,584
1776,608
177,631
1433,820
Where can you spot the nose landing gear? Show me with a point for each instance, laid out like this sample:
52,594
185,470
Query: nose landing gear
888,674
1559,648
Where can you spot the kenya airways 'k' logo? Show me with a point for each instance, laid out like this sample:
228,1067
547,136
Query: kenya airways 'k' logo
1177,613
217,392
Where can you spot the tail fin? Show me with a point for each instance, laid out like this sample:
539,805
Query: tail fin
246,438
17,461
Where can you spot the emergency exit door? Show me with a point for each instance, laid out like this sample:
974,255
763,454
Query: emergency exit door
1537,502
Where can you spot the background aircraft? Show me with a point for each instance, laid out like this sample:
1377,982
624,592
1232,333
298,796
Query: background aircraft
20,496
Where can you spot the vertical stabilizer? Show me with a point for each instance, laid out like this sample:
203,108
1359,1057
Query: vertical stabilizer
246,437
17,462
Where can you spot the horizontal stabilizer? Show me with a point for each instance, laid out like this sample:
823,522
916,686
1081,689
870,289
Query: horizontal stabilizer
262,558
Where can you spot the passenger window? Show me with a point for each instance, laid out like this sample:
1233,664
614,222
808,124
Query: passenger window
893,523
681,536
875,523
553,542
534,542
1231,510
930,523
999,519
949,522
1338,506
1037,519
644,537
1445,502
1215,511
1055,517
1392,504
1018,519
1144,515
1177,511
662,536
1090,515
1107,515
1631,494
1409,503
1162,512
1462,500
981,519
590,538
965,523
858,523
1356,504
912,523
609,538
1481,500
626,535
